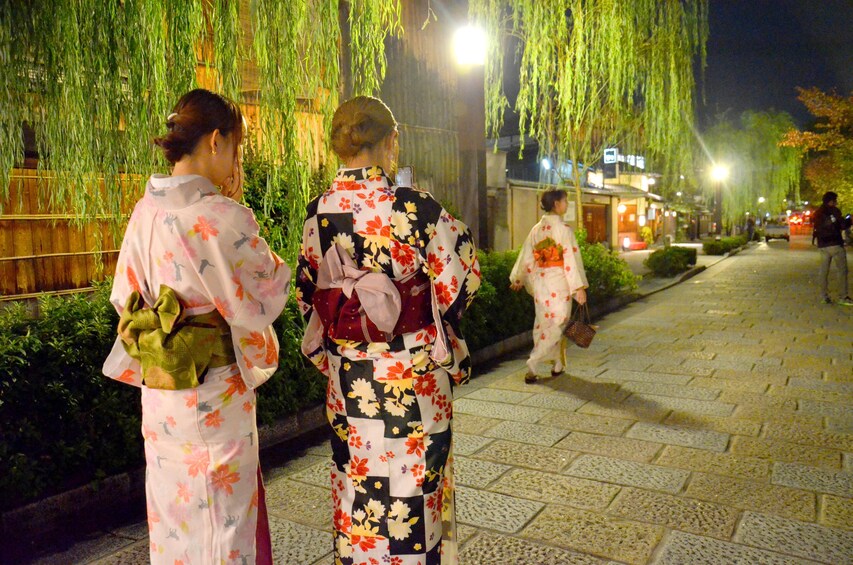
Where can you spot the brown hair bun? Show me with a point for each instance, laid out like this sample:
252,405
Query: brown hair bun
196,114
360,123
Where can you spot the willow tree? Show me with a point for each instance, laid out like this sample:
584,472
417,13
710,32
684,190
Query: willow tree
763,176
598,72
95,81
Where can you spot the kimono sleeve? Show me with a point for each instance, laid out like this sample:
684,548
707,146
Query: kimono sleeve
247,283
306,283
119,365
524,264
573,263
454,271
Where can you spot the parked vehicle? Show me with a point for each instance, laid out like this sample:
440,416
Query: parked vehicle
777,228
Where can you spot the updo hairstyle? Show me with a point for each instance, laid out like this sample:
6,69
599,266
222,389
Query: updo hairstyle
551,197
360,123
196,114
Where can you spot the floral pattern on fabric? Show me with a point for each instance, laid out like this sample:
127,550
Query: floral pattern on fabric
201,449
390,404
551,269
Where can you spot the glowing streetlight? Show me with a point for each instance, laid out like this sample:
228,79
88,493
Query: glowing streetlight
720,173
761,200
470,45
546,164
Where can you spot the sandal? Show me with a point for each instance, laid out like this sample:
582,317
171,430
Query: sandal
557,373
530,378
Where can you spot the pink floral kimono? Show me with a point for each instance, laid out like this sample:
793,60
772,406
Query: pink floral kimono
390,403
551,268
203,485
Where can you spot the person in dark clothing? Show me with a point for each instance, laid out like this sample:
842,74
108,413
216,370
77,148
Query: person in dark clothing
829,226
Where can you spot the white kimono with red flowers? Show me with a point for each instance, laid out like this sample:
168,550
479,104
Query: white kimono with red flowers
551,268
201,445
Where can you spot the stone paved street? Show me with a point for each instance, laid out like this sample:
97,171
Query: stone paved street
708,423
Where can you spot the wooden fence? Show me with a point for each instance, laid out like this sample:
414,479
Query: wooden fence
46,248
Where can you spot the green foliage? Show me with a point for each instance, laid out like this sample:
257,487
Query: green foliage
670,261
724,245
607,274
61,421
497,312
596,73
758,166
647,235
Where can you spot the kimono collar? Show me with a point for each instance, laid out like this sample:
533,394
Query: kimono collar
375,176
550,218
173,193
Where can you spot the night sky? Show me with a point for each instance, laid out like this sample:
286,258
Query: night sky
760,50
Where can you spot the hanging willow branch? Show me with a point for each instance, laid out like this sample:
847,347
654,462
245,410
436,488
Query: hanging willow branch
95,81
598,72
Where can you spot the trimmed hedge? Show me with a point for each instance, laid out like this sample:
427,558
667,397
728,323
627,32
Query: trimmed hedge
724,245
668,262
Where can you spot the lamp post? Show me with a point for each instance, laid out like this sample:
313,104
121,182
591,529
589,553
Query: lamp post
469,46
719,174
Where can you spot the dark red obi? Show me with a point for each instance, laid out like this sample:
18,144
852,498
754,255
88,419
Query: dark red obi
344,318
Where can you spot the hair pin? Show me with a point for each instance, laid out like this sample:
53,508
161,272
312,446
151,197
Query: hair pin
170,116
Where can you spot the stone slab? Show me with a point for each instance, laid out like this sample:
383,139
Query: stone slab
677,435
828,545
295,543
812,478
526,455
817,408
726,384
493,510
498,395
467,444
695,516
677,391
726,425
491,548
578,422
476,472
750,495
137,554
555,401
836,511
550,487
581,530
622,375
306,504
645,411
498,410
820,385
471,424
683,548
629,473
740,397
318,474
527,433
618,447
808,436
787,452
684,405
716,463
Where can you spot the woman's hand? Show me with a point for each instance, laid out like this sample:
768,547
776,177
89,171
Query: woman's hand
516,286
580,296
233,187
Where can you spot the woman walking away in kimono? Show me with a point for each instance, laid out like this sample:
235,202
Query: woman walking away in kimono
197,290
551,269
385,274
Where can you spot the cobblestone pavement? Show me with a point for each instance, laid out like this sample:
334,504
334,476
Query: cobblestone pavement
707,424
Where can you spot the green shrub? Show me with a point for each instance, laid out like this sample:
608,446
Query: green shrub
647,235
667,262
724,245
607,273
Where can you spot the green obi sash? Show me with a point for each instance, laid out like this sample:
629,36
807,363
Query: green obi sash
175,350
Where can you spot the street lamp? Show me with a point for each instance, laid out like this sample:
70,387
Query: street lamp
470,45
719,173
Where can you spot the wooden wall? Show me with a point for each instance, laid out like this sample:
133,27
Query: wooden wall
46,248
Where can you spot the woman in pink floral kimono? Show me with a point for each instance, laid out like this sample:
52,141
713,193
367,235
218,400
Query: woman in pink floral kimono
197,290
551,269
385,274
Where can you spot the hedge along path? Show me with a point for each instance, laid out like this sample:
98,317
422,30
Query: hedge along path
95,81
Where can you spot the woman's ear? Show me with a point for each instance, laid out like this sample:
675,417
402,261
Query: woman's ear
215,140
